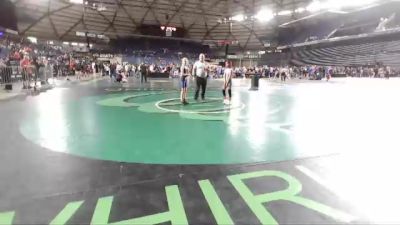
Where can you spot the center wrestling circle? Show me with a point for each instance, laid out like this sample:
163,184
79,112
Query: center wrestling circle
218,109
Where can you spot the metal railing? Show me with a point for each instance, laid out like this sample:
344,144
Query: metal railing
30,76
10,74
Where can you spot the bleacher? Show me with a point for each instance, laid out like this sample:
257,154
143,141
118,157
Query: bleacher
157,51
356,27
157,57
302,34
275,59
365,37
386,52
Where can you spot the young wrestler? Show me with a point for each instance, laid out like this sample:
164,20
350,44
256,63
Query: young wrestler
228,74
185,72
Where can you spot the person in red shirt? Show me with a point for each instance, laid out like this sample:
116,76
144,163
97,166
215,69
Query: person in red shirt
26,71
16,55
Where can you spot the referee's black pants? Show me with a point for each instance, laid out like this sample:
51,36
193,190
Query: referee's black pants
201,82
143,76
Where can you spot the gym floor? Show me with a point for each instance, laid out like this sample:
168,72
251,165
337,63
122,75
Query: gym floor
304,152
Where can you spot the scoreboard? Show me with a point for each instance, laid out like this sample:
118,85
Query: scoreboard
226,42
162,31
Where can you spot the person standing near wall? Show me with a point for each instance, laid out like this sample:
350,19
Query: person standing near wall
113,69
36,67
143,73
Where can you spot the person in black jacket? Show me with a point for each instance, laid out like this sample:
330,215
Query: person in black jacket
36,66
113,69
143,73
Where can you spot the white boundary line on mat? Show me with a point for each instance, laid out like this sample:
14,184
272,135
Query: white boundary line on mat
157,104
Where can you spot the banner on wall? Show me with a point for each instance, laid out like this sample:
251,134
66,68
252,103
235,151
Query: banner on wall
108,56
249,56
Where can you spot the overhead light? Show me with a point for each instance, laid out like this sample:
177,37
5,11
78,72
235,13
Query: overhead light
11,31
74,44
284,13
76,1
299,10
32,39
65,43
261,52
264,15
91,35
101,36
101,8
238,18
80,34
314,6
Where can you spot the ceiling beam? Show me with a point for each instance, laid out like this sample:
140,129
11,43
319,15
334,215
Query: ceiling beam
178,10
51,21
112,21
71,28
234,37
44,16
120,4
252,28
180,14
252,33
105,18
150,9
209,31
